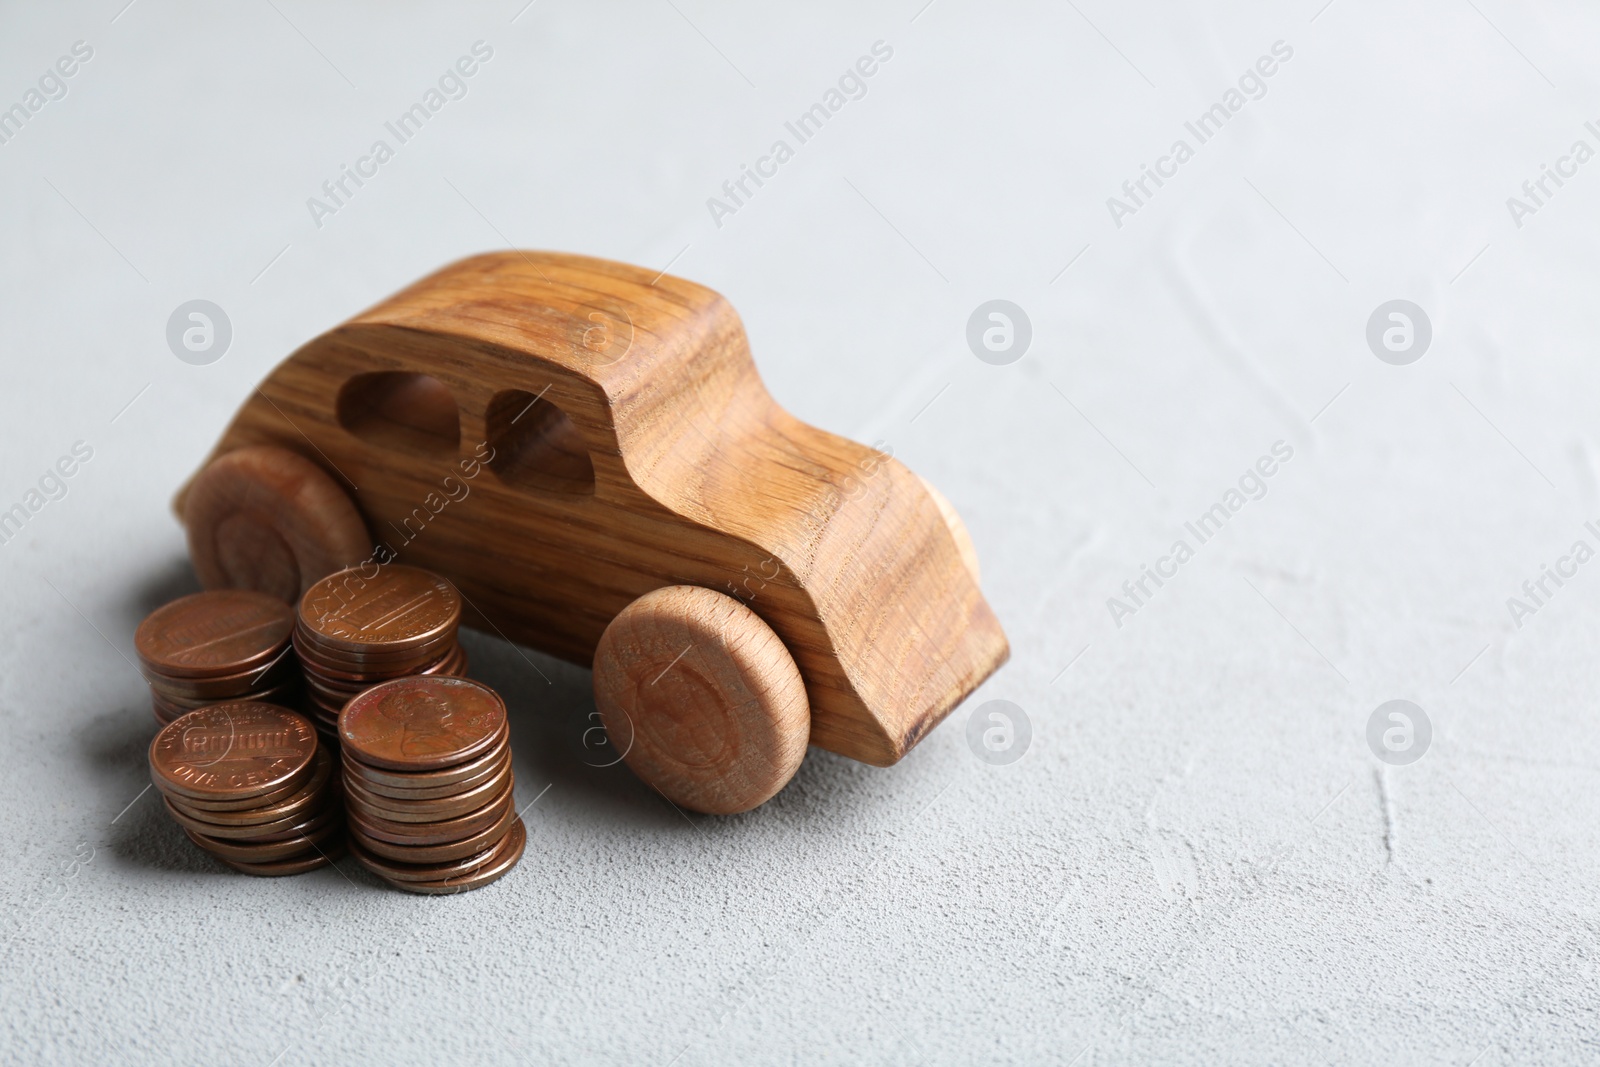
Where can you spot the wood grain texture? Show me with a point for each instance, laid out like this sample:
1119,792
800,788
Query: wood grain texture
958,531
267,519
695,476
701,699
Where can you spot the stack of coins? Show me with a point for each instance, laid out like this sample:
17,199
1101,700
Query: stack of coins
225,645
428,784
353,632
249,783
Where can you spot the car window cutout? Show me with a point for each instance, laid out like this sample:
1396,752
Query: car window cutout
403,410
536,445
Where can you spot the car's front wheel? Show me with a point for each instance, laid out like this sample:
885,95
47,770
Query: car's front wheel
701,699
267,519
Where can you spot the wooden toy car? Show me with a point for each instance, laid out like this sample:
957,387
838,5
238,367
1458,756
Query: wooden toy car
587,452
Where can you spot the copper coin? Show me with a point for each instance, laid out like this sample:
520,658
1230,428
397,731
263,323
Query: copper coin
398,608
425,810
509,853
422,723
232,751
325,706
223,631
442,828
318,858
453,662
332,815
253,852
282,692
269,675
277,796
453,775
390,871
435,833
334,694
301,822
324,661
383,793
372,654
393,871
423,854
311,797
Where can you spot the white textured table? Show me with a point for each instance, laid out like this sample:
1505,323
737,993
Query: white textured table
1199,858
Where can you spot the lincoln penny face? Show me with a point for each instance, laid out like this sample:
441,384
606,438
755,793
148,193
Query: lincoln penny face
421,723
398,607
229,751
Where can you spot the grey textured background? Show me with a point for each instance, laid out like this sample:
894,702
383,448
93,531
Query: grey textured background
1198,860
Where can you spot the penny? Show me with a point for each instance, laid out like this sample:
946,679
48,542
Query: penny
421,723
283,694
331,708
514,840
422,854
511,853
488,766
378,665
269,675
332,815
165,714
437,833
280,868
425,810
398,608
393,871
223,631
454,663
313,796
253,852
277,796
281,829
232,751
454,774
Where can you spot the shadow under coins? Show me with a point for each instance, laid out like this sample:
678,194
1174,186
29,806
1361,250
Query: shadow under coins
143,834
114,745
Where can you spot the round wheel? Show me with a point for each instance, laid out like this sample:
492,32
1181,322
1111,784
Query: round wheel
267,519
702,699
957,528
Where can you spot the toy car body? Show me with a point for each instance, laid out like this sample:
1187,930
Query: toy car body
560,435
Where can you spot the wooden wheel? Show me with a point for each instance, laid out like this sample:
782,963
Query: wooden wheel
267,519
702,699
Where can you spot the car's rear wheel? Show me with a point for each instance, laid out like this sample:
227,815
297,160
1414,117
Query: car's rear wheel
267,519
701,699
